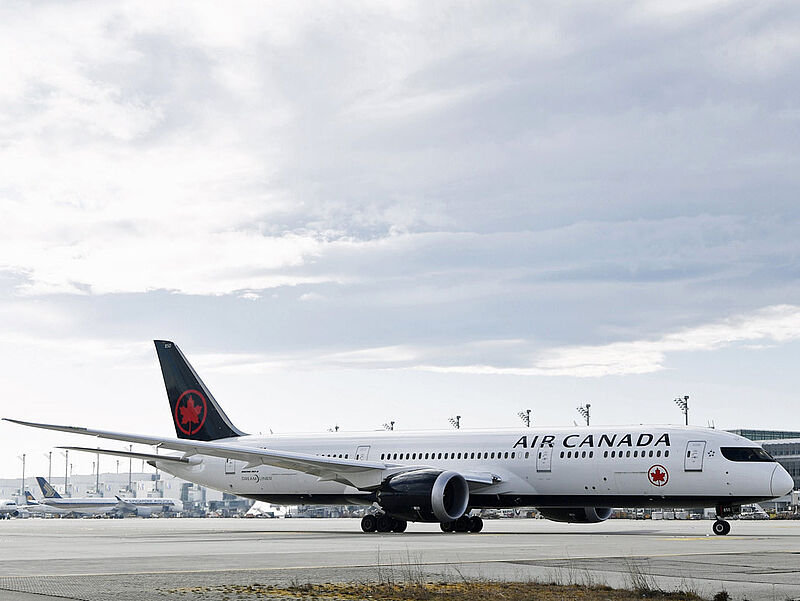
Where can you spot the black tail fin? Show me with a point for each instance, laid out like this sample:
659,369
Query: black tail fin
47,490
194,411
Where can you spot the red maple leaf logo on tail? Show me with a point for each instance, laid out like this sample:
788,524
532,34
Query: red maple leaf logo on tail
190,413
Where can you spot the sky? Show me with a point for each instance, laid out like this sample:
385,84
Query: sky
352,213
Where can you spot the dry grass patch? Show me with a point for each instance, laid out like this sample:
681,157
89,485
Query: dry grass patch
436,591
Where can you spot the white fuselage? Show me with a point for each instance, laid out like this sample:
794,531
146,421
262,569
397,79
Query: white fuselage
632,466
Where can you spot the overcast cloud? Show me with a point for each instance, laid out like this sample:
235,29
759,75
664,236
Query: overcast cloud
349,213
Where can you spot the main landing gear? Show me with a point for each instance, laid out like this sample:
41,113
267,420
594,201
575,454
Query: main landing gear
382,522
463,524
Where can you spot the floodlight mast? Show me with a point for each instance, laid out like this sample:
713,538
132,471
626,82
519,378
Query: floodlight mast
525,416
683,404
584,411
456,422
389,425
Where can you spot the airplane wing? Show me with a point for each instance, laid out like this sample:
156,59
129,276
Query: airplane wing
364,475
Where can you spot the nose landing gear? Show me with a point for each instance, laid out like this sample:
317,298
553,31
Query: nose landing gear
721,527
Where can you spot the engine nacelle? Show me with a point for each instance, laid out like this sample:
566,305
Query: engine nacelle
577,515
426,495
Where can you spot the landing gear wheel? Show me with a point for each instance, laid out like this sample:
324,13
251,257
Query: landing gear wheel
462,524
447,526
369,523
399,525
721,527
384,523
475,524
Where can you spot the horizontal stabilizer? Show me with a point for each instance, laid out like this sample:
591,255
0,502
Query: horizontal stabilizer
131,454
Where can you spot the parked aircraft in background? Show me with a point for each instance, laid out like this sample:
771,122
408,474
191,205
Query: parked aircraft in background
569,474
100,505
8,509
35,507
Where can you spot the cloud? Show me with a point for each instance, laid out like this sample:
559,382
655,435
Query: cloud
752,331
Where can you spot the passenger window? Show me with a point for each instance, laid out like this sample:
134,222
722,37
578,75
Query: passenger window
636,453
613,454
512,454
583,454
562,454
440,455
658,453
505,455
492,455
650,454
605,453
591,454
666,453
527,454
627,454
472,456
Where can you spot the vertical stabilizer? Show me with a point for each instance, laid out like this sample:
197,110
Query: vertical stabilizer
195,413
47,489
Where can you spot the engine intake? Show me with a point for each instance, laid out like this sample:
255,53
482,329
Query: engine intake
426,495
577,515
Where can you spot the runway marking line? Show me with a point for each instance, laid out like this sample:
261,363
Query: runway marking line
382,565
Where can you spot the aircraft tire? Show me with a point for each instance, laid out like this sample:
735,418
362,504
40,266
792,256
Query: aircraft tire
462,524
447,526
475,524
369,523
384,523
721,527
399,525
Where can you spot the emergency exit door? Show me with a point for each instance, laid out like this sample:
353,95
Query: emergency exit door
693,459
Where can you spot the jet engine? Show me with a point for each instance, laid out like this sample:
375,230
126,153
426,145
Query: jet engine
577,515
425,495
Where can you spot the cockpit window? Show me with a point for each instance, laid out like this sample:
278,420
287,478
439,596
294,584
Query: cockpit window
745,454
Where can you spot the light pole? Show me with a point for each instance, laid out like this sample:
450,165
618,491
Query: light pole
22,458
130,468
456,422
525,416
49,466
584,411
66,472
389,426
683,403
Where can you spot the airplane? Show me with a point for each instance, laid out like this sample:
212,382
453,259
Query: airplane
35,507
9,509
101,505
569,474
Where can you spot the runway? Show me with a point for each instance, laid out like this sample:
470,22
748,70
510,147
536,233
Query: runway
159,559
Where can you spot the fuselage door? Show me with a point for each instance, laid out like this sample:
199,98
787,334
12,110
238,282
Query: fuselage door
544,458
693,459
362,453
230,466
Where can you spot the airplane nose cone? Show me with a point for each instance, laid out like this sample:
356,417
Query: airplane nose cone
782,483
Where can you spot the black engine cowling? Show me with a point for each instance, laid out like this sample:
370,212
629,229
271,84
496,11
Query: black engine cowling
577,515
425,495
